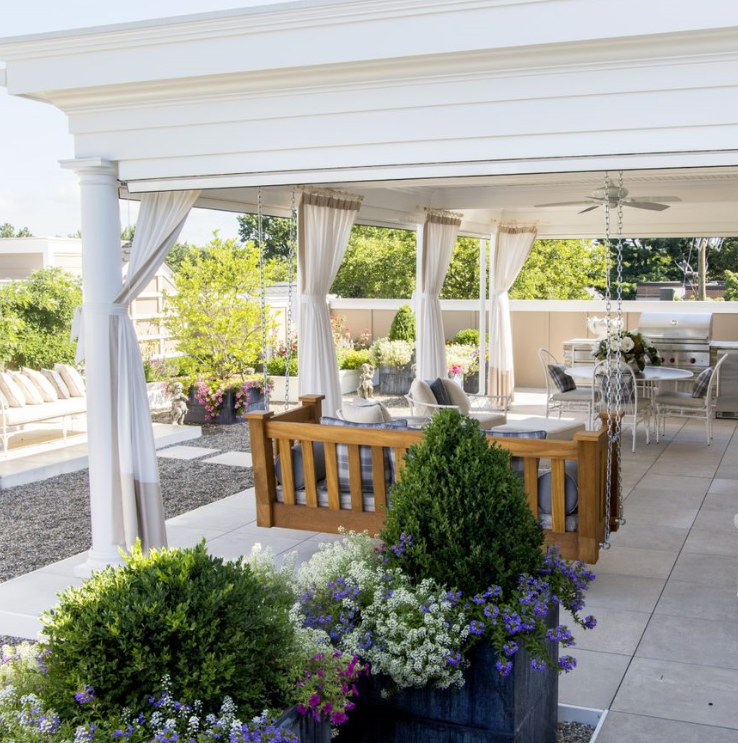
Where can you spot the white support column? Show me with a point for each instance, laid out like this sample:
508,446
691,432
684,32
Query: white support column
492,248
101,282
482,316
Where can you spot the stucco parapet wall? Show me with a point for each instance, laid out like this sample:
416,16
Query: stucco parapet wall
310,34
547,305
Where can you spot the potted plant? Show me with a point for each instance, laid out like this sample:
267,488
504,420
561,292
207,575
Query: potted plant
634,348
469,340
226,401
394,361
457,612
177,645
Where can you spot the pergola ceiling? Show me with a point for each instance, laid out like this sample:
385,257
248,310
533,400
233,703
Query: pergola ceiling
707,206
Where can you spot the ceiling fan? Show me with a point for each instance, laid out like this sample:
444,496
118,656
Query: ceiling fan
602,196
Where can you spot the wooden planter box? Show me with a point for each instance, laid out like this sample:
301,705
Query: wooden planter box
395,381
197,414
522,708
304,727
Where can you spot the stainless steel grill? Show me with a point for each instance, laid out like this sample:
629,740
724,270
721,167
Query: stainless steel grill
683,340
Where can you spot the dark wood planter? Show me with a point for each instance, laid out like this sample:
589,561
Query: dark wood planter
395,381
197,414
522,708
304,727
471,383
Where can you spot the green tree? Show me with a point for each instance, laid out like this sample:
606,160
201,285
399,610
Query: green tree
561,269
275,234
178,253
7,230
379,262
462,279
403,325
215,316
37,315
731,286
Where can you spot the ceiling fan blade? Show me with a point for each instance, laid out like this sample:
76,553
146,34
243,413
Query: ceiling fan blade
657,199
589,208
564,203
650,205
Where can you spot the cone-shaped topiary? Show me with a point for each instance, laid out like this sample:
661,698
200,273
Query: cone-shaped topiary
403,326
464,509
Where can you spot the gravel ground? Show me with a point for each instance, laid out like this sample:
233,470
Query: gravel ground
574,732
49,520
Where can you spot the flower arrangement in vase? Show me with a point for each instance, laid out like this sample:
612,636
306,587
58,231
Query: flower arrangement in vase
634,349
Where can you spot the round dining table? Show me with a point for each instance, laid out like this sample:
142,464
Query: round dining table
649,374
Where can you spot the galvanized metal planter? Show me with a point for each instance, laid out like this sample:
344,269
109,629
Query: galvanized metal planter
305,727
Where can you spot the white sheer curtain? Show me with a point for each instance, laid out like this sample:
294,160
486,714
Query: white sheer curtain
439,237
508,255
138,508
326,219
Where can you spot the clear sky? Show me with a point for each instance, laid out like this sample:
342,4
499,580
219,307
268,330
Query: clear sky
34,191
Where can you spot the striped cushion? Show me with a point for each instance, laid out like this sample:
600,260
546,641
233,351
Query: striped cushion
702,383
563,382
517,463
365,455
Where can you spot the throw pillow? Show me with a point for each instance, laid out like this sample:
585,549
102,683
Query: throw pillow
457,395
517,463
72,378
702,383
13,393
32,395
571,490
4,403
369,413
439,391
365,456
57,383
563,382
298,466
45,388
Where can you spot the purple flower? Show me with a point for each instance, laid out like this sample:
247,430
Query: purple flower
476,628
454,659
86,695
504,667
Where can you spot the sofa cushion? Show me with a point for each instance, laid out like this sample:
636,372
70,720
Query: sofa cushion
457,395
439,392
298,465
571,490
488,419
45,388
365,456
368,413
517,463
47,411
422,396
29,389
56,381
3,401
13,393
72,378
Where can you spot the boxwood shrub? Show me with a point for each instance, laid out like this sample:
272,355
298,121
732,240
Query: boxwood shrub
211,625
464,509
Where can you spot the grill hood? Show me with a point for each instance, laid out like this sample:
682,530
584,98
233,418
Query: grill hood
663,326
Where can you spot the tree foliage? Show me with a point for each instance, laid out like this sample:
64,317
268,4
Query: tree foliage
462,278
36,319
379,263
215,316
561,269
403,325
275,234
7,230
731,286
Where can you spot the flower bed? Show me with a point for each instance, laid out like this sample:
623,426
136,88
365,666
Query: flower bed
225,401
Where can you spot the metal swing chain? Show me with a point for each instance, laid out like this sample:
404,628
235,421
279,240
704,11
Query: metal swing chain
606,391
620,389
289,333
262,279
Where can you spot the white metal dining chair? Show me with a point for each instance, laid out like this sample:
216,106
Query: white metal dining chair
633,409
699,403
562,394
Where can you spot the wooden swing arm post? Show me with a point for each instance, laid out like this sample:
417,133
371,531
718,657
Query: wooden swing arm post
608,422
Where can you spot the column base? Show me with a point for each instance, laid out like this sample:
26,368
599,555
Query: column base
97,561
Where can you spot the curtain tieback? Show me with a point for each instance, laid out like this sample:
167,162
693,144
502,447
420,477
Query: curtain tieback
92,308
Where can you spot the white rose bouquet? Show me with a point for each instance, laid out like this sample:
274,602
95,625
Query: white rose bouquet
633,348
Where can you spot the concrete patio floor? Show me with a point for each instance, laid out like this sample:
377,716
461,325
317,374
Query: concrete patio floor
664,656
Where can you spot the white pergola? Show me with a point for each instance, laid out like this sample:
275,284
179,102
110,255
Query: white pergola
481,107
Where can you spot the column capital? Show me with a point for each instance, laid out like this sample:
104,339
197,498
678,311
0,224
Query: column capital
92,169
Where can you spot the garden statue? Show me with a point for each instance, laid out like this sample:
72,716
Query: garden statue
179,404
366,386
